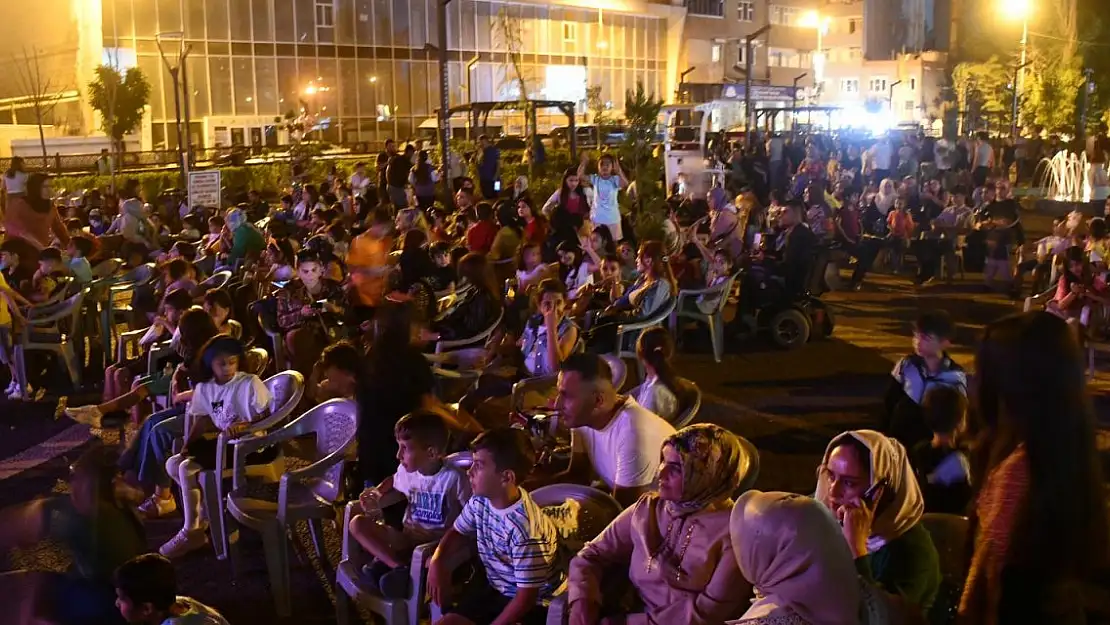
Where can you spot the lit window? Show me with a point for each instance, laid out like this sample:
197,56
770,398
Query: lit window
784,15
877,85
849,85
745,10
570,32
715,53
325,15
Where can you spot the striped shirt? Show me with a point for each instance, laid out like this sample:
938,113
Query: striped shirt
518,545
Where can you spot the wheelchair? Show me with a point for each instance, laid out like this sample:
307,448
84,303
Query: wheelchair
791,319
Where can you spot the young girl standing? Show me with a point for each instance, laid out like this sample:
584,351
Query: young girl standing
227,400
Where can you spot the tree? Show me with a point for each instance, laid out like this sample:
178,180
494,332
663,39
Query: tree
42,91
641,117
984,89
120,99
508,33
598,110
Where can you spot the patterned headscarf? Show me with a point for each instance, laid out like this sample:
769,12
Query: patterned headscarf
710,465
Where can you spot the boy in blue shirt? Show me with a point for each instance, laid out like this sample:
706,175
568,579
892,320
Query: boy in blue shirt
517,542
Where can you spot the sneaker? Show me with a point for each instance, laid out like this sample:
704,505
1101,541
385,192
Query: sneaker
19,394
89,415
155,507
183,542
13,386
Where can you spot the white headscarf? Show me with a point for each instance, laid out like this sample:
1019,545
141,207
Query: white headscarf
905,506
791,550
884,199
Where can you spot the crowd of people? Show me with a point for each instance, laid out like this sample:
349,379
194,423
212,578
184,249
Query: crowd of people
367,287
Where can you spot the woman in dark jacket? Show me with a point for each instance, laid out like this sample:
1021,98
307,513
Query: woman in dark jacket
477,306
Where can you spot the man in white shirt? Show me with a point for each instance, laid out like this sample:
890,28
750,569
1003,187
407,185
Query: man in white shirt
880,156
360,181
611,434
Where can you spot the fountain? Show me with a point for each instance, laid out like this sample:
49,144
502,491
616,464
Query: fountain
1070,182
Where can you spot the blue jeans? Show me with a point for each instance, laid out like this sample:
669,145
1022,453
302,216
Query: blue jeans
147,454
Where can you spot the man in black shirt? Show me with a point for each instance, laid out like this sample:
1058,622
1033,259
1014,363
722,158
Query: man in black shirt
397,177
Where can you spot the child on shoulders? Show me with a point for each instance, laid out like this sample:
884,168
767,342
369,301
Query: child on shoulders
436,494
517,542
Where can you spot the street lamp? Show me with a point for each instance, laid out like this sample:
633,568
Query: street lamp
1019,9
813,19
175,65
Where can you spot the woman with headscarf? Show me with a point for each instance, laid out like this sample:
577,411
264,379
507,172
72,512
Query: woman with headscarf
1039,527
875,230
31,220
675,542
246,240
789,548
867,482
725,229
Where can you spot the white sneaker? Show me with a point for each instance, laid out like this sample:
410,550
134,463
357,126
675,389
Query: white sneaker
183,542
13,386
18,394
154,507
89,415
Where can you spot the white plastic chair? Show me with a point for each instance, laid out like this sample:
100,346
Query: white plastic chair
715,320
117,300
748,467
286,390
689,402
478,339
217,280
627,333
306,494
55,329
349,586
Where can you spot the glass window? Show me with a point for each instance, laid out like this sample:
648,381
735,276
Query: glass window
384,89
364,23
402,103
219,72
325,15
158,137
715,53
629,28
467,12
345,23
382,32
418,26
712,8
367,87
306,21
348,88
420,88
266,90
125,26
328,79
215,14
288,86
284,28
241,20
108,15
260,15
745,10
244,86
488,20
401,22
169,15
194,20
196,69
151,67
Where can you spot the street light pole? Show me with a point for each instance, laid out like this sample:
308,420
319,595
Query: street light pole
749,62
794,102
1019,76
682,82
444,103
175,71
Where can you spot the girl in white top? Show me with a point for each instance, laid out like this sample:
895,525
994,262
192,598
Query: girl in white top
15,179
226,400
659,390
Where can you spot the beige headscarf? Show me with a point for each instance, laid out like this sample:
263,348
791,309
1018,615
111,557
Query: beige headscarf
905,506
710,465
790,548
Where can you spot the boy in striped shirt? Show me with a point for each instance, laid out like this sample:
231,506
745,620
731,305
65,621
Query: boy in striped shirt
517,543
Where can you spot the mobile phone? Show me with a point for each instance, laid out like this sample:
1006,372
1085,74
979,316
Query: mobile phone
497,186
871,493
757,240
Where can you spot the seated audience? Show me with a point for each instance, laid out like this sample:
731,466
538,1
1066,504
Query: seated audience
218,305
940,464
517,543
612,436
146,594
659,391
865,479
477,304
436,493
650,293
337,371
300,305
681,574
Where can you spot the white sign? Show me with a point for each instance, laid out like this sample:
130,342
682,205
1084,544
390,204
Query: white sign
204,188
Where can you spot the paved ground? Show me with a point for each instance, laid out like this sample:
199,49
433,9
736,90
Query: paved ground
788,404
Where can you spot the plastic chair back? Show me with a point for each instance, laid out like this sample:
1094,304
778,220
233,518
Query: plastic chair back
106,268
141,274
749,467
689,402
578,512
217,280
617,368
460,460
286,390
335,423
257,359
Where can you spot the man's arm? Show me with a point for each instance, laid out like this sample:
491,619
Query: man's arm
439,578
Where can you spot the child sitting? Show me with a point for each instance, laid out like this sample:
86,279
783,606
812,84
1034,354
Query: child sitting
659,391
436,494
337,371
80,247
190,228
146,594
10,301
49,279
517,543
942,468
16,273
224,399
218,305
927,367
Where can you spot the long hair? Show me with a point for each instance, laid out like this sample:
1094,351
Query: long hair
565,191
392,336
1032,392
219,345
195,328
507,217
422,171
475,269
15,167
660,267
607,243
656,347
35,183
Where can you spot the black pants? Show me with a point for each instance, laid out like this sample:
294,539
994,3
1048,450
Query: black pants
866,252
602,337
929,253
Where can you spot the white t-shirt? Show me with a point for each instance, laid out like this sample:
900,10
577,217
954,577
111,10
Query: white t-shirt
655,397
435,501
881,154
16,183
243,398
196,613
606,210
625,453
359,183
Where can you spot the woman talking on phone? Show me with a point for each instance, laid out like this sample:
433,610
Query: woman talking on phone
865,479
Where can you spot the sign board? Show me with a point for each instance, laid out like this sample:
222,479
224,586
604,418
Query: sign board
762,93
204,188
